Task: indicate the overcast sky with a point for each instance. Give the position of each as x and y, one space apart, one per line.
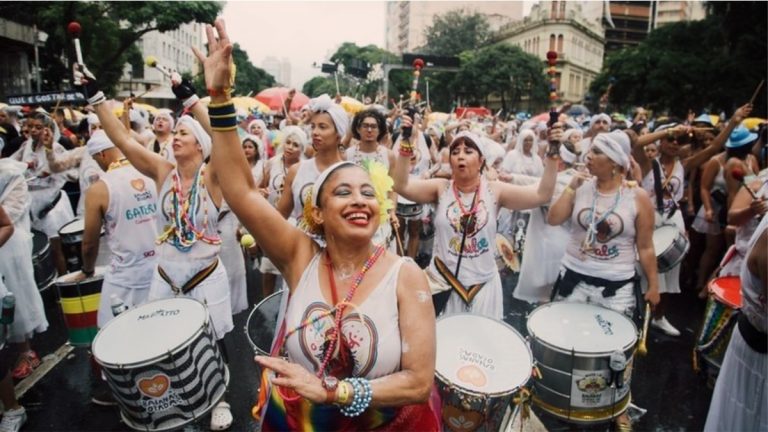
303 31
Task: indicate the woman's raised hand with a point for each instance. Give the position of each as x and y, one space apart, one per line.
217 65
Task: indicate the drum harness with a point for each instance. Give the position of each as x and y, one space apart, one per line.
194 281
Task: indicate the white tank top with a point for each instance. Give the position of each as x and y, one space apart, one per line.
353 154
673 192
130 223
478 264
276 180
166 150
613 253
754 304
371 329
302 184
744 232
178 264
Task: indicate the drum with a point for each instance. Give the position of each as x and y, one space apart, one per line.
720 318
409 210
481 364
584 353
80 304
71 236
262 323
42 261
671 245
162 363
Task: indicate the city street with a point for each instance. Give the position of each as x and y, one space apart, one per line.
663 382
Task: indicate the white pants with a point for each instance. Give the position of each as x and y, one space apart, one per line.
623 302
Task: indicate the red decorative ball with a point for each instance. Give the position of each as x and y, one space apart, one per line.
418 63
74 28
551 55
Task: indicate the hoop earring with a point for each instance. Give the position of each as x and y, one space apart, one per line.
613 172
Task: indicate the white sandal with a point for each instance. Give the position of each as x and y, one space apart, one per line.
221 417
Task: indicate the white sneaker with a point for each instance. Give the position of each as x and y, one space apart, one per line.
13 420
664 325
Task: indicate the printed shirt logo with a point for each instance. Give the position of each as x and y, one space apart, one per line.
607 230
476 242
138 184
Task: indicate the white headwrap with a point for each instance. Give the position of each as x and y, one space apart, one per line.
298 135
197 130
98 142
612 149
324 103
526 133
93 119
475 139
139 115
567 134
494 150
166 114
324 177
258 143
623 139
258 122
601 116
566 155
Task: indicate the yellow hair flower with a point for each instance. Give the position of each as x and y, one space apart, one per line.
307 222
382 184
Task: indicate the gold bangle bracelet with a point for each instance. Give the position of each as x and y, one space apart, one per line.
221 105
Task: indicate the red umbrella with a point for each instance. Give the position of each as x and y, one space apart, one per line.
275 98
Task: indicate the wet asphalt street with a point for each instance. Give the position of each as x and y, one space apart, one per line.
663 383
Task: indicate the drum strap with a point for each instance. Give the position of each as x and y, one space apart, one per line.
466 294
658 186
568 280
756 339
198 278
47 209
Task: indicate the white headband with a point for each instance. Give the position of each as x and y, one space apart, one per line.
197 130
475 139
612 149
324 103
597 117
323 178
166 114
298 135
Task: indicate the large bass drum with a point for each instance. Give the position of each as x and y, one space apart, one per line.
162 363
584 353
481 365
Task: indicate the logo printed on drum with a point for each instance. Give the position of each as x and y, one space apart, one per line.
155 386
159 313
158 389
476 358
604 324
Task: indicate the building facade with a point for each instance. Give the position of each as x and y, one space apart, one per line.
17 67
560 26
407 20
666 12
278 68
172 49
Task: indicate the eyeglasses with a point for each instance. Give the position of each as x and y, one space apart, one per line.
369 126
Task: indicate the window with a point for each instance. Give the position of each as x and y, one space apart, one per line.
553 14
562 10
552 42
560 43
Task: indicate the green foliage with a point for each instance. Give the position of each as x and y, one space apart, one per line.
504 70
711 64
455 32
110 32
249 78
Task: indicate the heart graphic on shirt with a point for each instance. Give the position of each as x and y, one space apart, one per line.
459 420
358 331
155 386
138 184
459 220
607 230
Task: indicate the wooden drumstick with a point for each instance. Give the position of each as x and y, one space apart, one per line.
757 91
399 242
642 349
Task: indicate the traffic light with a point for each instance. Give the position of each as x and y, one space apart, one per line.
329 67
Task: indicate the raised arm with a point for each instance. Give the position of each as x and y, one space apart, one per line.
416 190
716 146
744 207
288 247
516 197
285 203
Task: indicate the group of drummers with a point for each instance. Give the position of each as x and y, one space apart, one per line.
333 208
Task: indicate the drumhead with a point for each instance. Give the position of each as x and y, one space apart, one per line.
149 331
262 322
663 237
727 290
69 278
583 328
76 226
482 355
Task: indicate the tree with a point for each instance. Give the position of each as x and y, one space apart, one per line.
504 70
455 32
110 32
700 65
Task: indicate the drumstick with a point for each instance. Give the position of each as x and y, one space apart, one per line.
757 91
642 349
399 242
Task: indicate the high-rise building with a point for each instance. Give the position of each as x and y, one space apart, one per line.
667 12
560 26
407 20
278 68
172 49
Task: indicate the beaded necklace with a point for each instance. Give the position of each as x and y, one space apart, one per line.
591 236
467 219
117 164
185 231
338 308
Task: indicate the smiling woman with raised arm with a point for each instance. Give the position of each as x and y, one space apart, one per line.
360 350
465 220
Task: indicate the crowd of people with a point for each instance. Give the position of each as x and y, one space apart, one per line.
335 208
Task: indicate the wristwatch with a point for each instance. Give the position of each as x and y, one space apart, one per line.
330 384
